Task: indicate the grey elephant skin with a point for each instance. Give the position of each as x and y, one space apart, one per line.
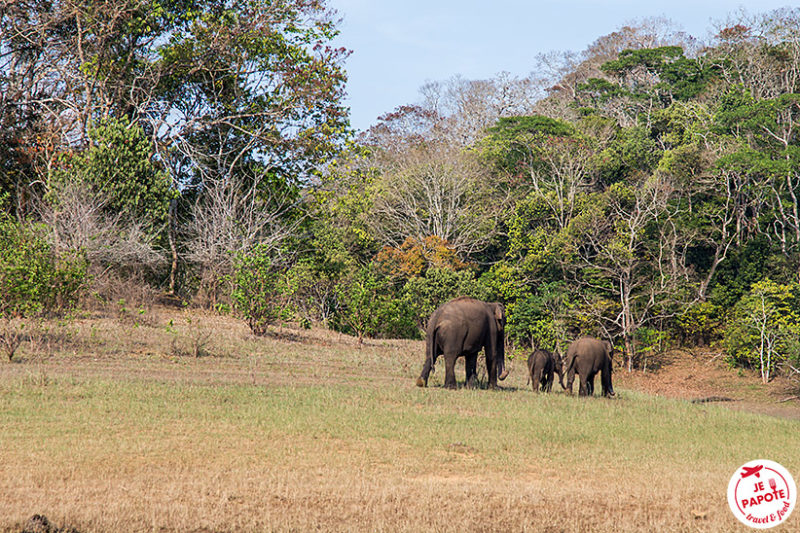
462 327
586 357
542 367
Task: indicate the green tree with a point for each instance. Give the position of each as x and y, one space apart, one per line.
242 100
118 166
425 293
765 328
255 294
367 307
537 320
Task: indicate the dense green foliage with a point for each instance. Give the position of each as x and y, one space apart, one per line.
117 168
652 197
255 292
34 279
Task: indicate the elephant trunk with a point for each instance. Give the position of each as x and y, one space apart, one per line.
500 359
559 363
570 372
605 376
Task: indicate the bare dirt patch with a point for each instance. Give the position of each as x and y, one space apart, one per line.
702 375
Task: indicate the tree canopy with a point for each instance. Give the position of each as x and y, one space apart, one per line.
646 190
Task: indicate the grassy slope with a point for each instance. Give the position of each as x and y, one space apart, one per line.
276 435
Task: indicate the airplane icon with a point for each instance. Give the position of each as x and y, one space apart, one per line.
750 470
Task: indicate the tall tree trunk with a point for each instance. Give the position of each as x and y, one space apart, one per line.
629 350
627 318
171 224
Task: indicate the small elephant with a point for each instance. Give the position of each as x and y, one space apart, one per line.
541 367
464 326
587 356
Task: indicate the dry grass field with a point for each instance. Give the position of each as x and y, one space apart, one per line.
115 425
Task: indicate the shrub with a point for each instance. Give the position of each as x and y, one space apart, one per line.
34 279
255 289
437 286
368 307
699 323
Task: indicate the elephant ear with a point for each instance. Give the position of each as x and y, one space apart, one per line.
609 349
499 315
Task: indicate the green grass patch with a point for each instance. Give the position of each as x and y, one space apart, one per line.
502 430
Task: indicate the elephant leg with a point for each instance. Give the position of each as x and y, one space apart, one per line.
537 379
422 380
570 381
450 371
491 371
590 385
605 380
471 364
584 389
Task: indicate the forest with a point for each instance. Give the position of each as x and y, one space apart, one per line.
195 153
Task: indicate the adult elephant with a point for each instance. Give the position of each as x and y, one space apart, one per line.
587 356
542 366
464 326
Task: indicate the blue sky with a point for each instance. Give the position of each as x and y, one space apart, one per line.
398 45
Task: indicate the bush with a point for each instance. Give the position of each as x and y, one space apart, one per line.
699 323
255 289
368 307
34 279
426 293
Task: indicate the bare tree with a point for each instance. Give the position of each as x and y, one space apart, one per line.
745 51
563 73
615 257
435 189
466 108
230 217
559 172
121 253
79 222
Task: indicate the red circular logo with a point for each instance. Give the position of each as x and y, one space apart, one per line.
762 494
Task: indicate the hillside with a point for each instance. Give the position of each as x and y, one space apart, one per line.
113 424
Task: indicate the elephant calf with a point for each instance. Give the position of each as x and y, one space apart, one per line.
542 366
587 356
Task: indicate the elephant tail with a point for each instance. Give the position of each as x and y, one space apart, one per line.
570 363
431 347
430 357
